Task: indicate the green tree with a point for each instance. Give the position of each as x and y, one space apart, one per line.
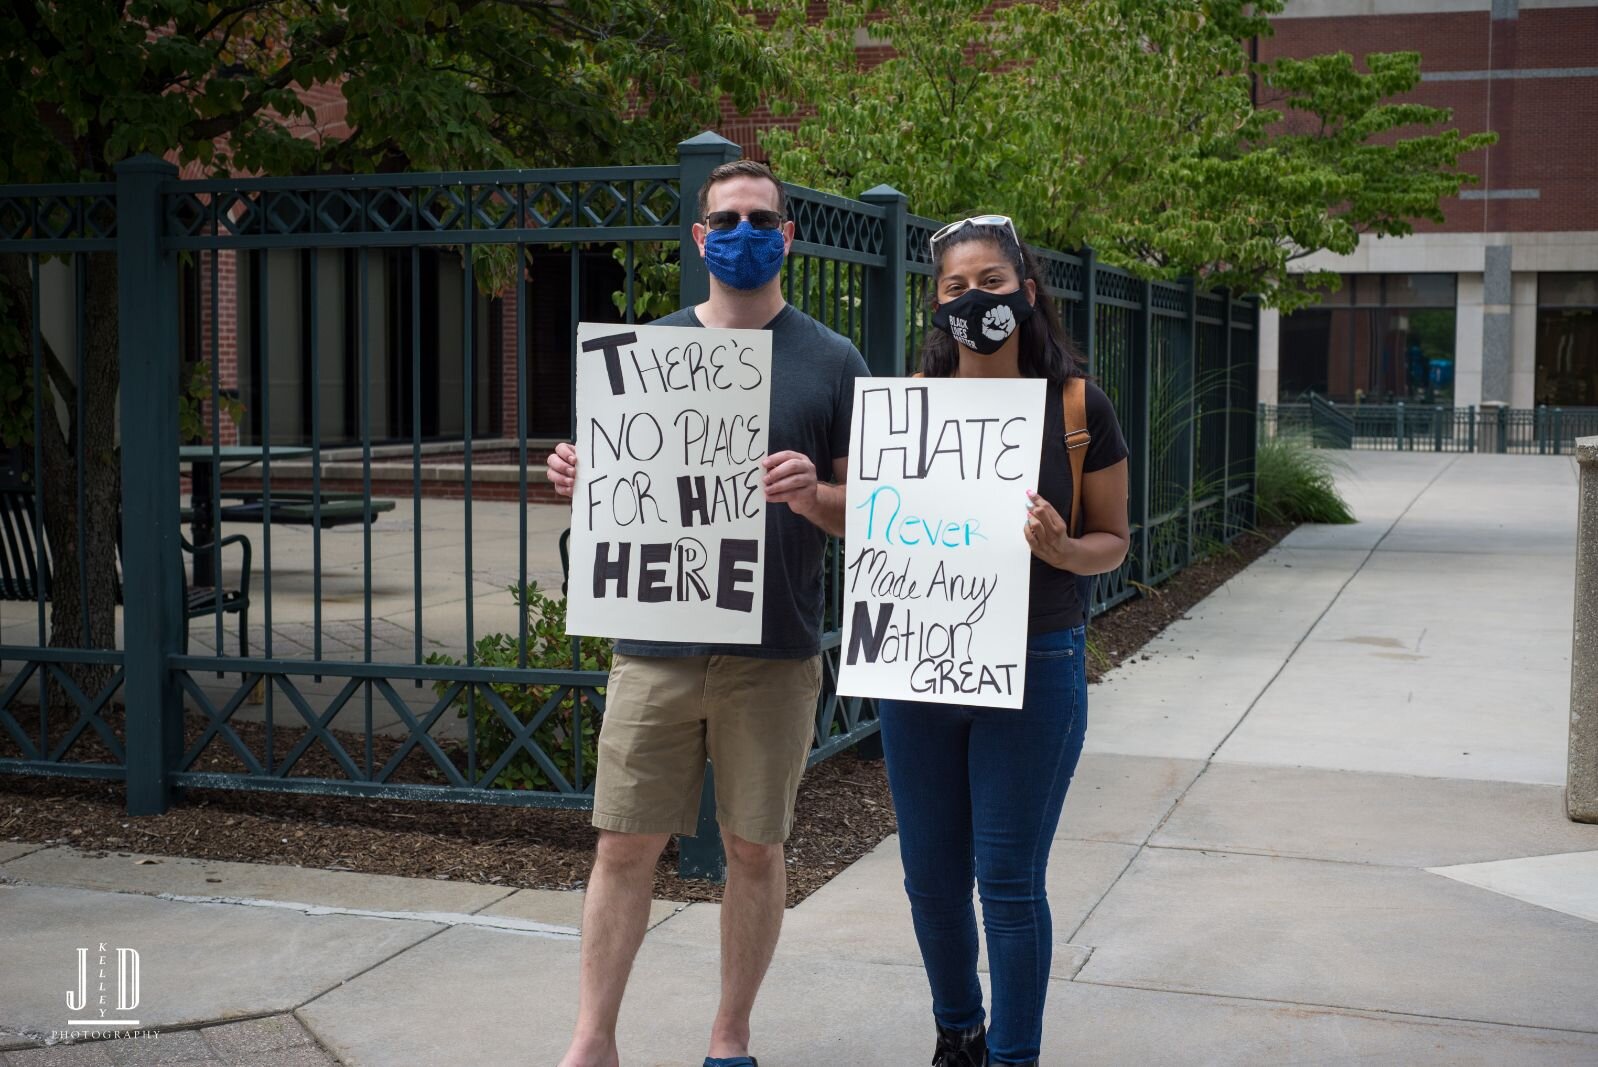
1139 127
468 84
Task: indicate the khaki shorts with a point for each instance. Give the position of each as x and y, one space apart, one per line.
754 718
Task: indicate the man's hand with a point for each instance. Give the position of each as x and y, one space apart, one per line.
1046 533
791 480
562 468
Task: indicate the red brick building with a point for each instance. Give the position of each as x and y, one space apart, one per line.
1498 303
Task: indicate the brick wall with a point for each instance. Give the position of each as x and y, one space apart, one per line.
507 364
225 341
1546 125
745 129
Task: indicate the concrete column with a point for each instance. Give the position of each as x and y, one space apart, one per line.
1497 342
1581 784
1523 341
1467 342
1270 326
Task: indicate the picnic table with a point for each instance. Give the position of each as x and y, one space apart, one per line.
290 506
300 508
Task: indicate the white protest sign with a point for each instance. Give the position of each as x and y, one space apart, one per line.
668 516
937 568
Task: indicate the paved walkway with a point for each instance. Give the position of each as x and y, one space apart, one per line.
1320 822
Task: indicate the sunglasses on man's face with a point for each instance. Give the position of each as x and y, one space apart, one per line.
728 220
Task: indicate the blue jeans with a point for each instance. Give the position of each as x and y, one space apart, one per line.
978 792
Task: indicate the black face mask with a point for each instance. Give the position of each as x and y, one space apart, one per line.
983 321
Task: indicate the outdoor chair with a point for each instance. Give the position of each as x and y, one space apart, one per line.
26 570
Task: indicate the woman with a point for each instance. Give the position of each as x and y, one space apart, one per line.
979 790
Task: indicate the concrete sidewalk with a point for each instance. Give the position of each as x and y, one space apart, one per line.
1320 822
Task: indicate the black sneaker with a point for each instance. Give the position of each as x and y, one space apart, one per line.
961 1048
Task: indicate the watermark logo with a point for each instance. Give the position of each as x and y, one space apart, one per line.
108 982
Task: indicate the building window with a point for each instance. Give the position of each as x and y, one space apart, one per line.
316 296
551 322
1567 339
1379 338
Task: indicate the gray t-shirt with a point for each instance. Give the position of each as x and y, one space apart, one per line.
813 371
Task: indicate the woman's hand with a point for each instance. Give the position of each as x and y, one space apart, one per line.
1046 533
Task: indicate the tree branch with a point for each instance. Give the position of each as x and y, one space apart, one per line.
226 40
212 128
550 15
228 12
57 374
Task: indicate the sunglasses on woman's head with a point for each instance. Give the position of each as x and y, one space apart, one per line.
728 220
975 220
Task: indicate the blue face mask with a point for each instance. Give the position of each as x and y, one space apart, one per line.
744 257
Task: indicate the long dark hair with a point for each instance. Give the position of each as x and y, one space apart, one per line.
1046 350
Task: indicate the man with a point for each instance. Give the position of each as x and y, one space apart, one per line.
750 707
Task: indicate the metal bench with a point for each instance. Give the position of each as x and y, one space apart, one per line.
26 571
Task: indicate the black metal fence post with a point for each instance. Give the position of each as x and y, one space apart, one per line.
700 856
703 856
1088 335
886 324
1142 461
696 158
885 299
1228 528
1251 386
1190 389
147 338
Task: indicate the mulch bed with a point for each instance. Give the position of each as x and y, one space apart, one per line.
844 807
844 811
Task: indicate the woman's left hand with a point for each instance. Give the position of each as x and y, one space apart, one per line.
1046 533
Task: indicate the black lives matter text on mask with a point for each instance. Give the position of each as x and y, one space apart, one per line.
665 542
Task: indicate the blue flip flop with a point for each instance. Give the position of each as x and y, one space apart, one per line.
730 1061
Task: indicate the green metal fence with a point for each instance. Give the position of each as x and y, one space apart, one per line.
1542 431
196 266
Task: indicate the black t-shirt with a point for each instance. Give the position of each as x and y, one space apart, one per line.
813 370
1056 604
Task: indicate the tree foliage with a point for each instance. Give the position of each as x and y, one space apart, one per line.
469 84
1139 127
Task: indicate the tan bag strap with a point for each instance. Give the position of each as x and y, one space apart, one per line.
1077 439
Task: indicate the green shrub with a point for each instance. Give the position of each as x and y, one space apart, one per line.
547 646
1297 483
